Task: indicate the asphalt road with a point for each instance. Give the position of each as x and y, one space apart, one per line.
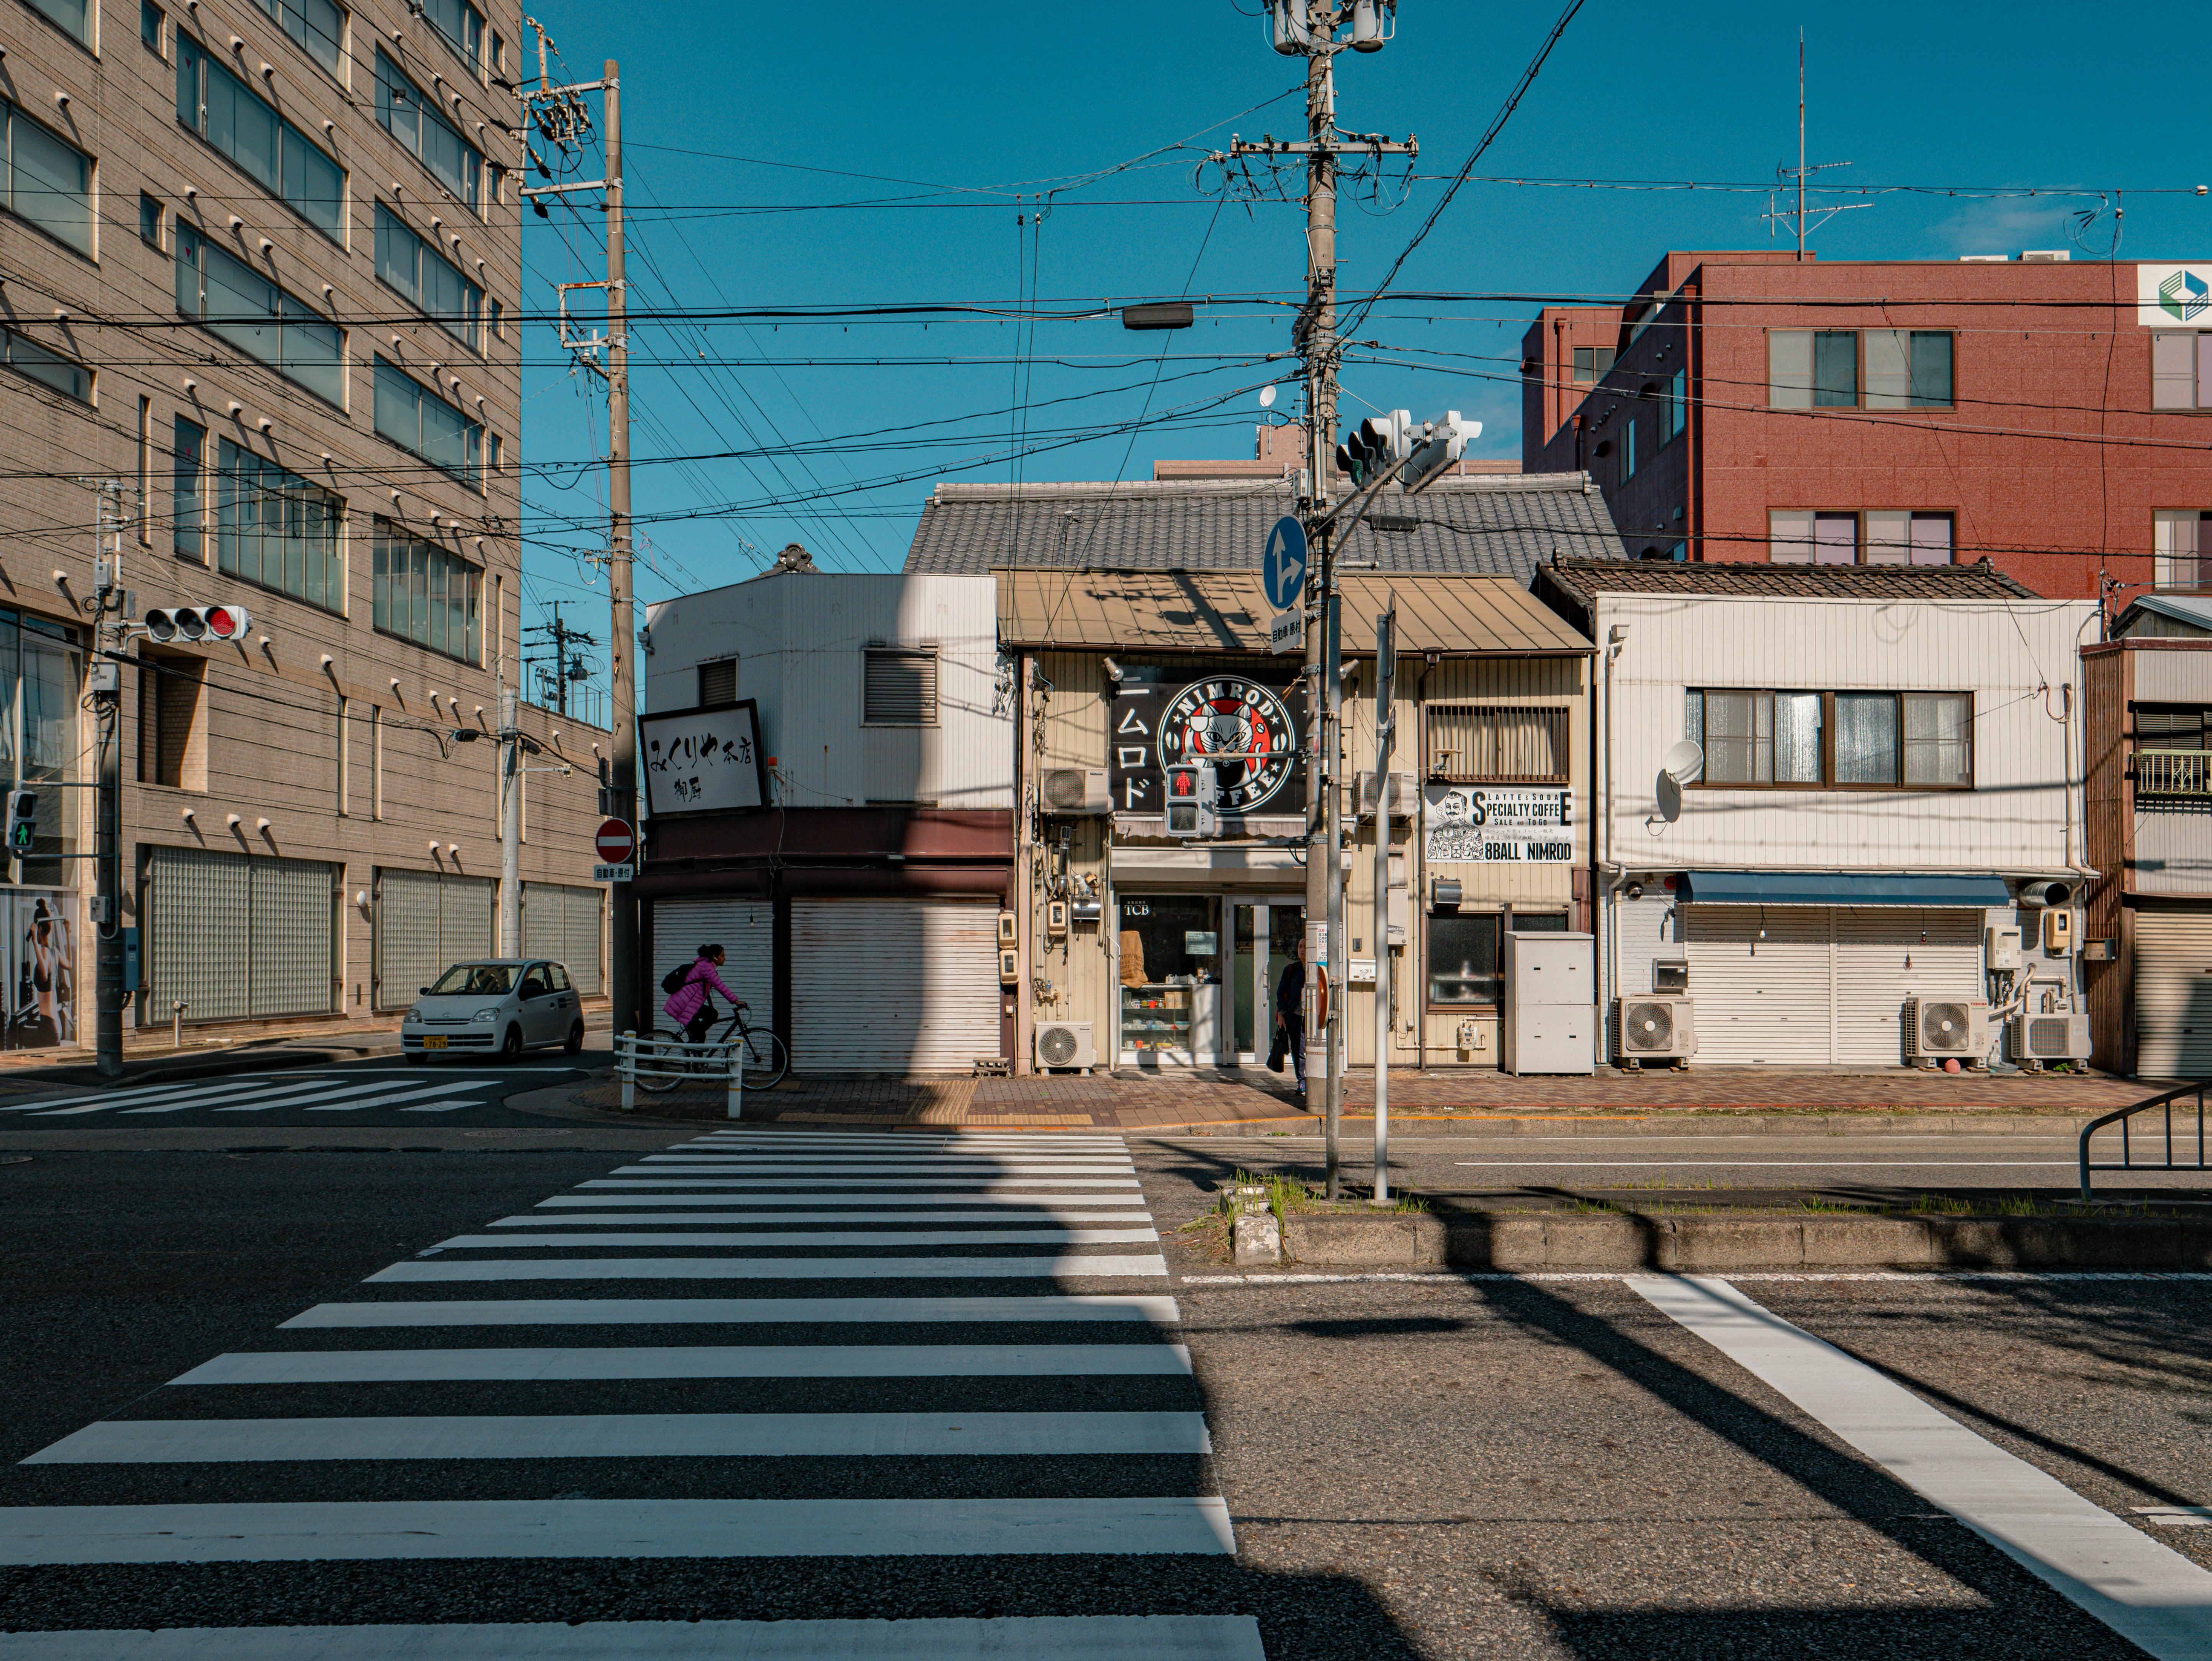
1446 1466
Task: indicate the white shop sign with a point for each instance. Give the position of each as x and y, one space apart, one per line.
1498 825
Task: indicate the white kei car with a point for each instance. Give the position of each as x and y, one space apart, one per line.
499 1006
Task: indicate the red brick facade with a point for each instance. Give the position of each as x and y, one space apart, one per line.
2048 459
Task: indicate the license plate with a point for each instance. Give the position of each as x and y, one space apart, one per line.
434 1042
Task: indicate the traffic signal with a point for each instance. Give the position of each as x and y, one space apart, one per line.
194 624
22 820
1376 443
1193 792
1437 449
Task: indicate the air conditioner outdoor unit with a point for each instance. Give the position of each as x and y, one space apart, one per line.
1947 1029
2057 1036
1654 1029
1075 792
1066 1043
1404 791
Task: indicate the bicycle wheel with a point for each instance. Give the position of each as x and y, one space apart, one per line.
765 1059
659 1075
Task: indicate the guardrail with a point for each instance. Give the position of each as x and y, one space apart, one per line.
660 1065
2127 1155
2173 772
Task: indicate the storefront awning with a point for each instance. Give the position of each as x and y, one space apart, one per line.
1838 888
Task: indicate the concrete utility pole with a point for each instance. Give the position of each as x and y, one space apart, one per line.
1310 27
107 685
622 717
1386 732
510 825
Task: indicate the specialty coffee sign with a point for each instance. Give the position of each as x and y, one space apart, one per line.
1245 721
1498 825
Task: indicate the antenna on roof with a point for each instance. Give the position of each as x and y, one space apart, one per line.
1782 175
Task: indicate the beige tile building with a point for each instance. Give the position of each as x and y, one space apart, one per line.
259 264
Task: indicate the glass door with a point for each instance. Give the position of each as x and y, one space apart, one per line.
1247 983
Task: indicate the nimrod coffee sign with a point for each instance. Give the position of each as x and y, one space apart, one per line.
1251 721
1498 825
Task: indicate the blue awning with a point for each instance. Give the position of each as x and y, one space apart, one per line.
1838 888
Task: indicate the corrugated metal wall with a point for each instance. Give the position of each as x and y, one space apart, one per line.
2173 994
1885 954
1083 964
2105 797
238 937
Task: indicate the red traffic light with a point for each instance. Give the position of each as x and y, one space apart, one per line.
226 622
197 622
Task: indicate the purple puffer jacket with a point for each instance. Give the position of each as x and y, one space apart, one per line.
687 998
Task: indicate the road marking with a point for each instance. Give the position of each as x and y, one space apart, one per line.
1044 1212
383 1095
771 1268
1080 1307
1040 1202
198 1093
893 1168
1770 1165
2177 1517
1907 1277
365 1531
888 1237
1000 1184
383 1366
287 1095
149 1093
2150 1594
440 1107
631 1436
1064 1638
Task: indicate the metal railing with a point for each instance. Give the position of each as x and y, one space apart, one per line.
2127 1152
664 1064
2173 772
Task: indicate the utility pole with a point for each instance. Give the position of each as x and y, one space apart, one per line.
510 825
622 923
1386 732
1310 27
106 687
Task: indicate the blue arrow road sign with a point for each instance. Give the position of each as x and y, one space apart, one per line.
1283 568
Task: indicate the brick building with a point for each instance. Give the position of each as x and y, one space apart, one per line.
259 260
2041 413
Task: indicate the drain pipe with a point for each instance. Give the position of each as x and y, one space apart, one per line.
1616 637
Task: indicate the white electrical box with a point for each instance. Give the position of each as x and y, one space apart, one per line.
1009 930
1009 967
2059 929
1551 1013
1360 971
1055 918
2003 948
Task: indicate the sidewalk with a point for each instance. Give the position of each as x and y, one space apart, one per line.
1230 1097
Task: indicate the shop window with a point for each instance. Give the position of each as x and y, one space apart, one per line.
900 686
1463 969
1497 744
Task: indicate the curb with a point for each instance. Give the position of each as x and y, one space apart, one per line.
1718 1244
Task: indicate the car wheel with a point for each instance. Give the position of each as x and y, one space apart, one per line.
511 1046
576 1040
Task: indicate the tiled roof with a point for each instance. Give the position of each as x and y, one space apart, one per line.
1482 525
1581 580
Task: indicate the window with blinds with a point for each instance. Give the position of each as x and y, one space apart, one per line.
899 688
1489 743
718 684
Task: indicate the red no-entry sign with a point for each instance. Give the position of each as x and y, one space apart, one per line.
616 842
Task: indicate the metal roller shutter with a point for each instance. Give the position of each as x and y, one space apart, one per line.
1885 954
467 926
1760 1002
545 920
562 921
198 909
745 929
581 951
2174 995
426 921
291 935
893 986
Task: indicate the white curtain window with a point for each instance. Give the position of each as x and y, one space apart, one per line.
1866 738
2177 537
1938 737
1789 368
1888 369
1888 537
1739 738
1932 540
2173 371
1789 536
1796 738
1835 538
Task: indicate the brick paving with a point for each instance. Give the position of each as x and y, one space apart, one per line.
1228 1097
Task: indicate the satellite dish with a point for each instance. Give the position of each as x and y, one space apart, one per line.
1684 763
1267 398
1670 798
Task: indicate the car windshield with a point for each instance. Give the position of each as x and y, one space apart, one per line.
481 980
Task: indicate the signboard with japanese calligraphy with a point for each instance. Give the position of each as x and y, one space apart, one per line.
703 760
1498 825
1250 723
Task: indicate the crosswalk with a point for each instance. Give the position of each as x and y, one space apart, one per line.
354 1090
945 1377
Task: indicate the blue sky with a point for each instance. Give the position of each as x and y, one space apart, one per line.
726 110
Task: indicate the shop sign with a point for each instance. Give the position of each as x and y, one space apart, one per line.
1498 825
703 760
2174 296
1246 720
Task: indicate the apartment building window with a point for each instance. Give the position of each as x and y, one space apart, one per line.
498 319
1497 744
461 25
237 304
149 221
412 119
1853 740
47 181
277 529
899 686
1674 407
376 761
73 16
2181 370
1628 448
42 684
426 594
1859 368
1879 536
341 748
150 19
419 422
409 264
144 511
172 721
1591 362
2181 539
27 357
317 25
188 513
272 152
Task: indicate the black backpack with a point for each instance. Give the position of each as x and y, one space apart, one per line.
672 982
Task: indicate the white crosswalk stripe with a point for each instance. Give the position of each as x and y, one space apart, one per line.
351 1091
1077 1444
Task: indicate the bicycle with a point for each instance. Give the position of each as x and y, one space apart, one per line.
766 1058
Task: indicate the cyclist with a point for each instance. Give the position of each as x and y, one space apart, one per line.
691 1006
